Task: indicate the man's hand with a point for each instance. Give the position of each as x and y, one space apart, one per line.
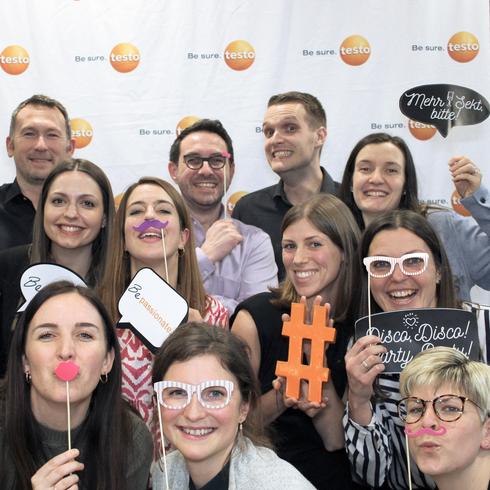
465 174
221 238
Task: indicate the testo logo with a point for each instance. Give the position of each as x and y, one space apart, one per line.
420 130
82 132
463 47
124 57
355 50
14 60
239 55
185 122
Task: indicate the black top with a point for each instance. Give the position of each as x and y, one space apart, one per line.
16 216
294 435
266 208
219 482
13 262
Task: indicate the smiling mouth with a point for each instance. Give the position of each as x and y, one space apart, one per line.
282 153
150 234
376 193
402 294
304 274
197 432
70 228
206 185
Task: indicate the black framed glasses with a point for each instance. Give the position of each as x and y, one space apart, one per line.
216 162
447 408
211 394
410 264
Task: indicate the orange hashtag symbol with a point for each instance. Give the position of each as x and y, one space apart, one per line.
294 370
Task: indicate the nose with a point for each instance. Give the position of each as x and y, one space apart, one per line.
398 275
41 143
429 419
205 169
71 210
376 176
194 411
149 213
300 256
66 348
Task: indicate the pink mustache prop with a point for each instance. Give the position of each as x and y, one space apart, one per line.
428 431
151 223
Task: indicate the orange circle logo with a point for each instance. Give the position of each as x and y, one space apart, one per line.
233 199
463 47
420 130
456 204
185 122
355 50
82 132
124 57
14 60
239 55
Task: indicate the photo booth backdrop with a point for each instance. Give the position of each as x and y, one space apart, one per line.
131 73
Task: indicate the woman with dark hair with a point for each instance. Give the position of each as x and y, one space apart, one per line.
380 176
208 404
409 269
112 448
319 239
72 228
132 249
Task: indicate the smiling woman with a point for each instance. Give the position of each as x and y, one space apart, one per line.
319 238
208 402
112 446
72 228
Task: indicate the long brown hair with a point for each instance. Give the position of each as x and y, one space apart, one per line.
118 274
330 216
41 243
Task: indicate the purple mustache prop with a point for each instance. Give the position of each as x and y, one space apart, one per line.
151 223
425 430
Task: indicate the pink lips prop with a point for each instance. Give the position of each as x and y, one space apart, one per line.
67 370
428 431
151 223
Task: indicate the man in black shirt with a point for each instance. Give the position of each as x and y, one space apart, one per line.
39 138
294 128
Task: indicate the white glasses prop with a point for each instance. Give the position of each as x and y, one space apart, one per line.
410 264
211 394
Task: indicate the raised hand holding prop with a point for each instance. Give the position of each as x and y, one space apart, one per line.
67 371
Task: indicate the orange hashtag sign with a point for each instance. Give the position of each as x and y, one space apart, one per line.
294 370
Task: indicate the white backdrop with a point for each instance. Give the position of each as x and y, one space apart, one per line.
177 52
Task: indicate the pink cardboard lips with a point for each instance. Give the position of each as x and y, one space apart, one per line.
67 370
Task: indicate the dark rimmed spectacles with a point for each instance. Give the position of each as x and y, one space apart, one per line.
410 264
216 162
447 408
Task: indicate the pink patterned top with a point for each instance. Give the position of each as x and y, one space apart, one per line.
137 362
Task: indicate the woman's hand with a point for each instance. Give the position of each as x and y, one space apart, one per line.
310 408
363 363
465 174
58 473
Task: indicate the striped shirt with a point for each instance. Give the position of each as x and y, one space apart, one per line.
377 451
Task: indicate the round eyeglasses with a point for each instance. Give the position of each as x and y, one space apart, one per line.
210 394
216 162
447 408
410 264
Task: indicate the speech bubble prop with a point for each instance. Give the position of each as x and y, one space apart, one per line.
444 106
151 308
294 370
67 370
405 333
36 276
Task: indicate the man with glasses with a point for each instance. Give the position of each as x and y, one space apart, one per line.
39 138
236 260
